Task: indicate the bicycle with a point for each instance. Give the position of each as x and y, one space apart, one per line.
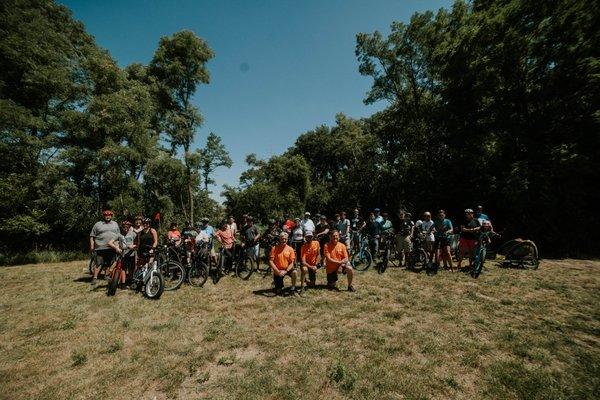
361 260
197 270
388 249
171 270
418 259
149 280
244 264
480 252
115 277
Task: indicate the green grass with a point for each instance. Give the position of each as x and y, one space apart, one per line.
512 334
42 256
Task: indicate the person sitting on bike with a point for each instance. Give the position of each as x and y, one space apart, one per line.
442 227
373 229
403 237
147 240
283 261
250 238
322 232
174 236
469 233
225 236
424 227
102 233
337 261
311 257
124 244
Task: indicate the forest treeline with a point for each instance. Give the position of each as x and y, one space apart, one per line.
492 102
79 134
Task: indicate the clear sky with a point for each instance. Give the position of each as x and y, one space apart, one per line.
281 67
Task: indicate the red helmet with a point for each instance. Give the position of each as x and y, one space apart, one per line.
107 212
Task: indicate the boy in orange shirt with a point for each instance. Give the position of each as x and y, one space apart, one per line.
336 261
282 261
311 256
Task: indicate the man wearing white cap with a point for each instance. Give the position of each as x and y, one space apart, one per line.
307 223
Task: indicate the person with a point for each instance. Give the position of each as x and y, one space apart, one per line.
307 223
147 240
403 238
356 226
336 261
282 261
225 236
232 225
321 231
480 215
469 233
343 226
188 237
378 216
102 233
124 244
442 227
210 233
173 235
288 224
425 227
250 237
137 224
297 239
311 257
270 237
373 229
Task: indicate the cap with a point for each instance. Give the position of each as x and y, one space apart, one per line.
107 212
469 211
204 219
377 210
307 214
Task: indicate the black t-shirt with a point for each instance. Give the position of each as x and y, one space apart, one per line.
321 228
356 222
249 233
404 227
474 223
373 228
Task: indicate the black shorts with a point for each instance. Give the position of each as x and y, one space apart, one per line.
441 242
332 277
278 280
105 257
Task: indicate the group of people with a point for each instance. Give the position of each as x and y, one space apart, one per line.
296 247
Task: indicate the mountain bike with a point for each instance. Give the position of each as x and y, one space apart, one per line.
197 270
115 277
148 279
480 252
418 259
171 269
361 259
390 254
262 265
243 262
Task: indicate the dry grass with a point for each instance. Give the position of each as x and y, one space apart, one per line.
511 334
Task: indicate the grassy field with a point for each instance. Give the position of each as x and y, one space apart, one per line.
512 334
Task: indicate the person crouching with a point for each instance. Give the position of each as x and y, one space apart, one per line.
282 261
336 261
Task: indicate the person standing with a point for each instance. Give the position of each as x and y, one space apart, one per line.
124 244
147 241
425 227
480 215
307 223
321 231
378 216
137 224
356 226
469 233
174 236
232 225
297 239
250 236
343 226
225 236
373 229
102 233
442 228
403 238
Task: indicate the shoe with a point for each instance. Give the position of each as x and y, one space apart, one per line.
294 292
351 289
94 282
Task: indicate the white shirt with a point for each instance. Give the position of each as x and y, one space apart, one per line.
233 227
307 225
425 226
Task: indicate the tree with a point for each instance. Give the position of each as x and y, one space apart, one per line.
211 157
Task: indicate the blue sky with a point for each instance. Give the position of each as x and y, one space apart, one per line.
281 67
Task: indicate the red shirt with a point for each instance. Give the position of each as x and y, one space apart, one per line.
226 237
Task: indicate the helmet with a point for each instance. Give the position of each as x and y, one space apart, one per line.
107 213
146 220
469 211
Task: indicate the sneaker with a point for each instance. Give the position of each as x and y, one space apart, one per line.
351 289
294 292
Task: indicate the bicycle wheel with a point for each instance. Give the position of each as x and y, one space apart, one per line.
478 263
173 274
155 286
198 274
111 289
244 267
417 260
530 262
361 260
385 262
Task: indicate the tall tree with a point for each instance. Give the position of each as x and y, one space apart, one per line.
211 157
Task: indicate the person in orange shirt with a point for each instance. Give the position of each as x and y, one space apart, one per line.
282 261
174 235
311 256
336 261
227 240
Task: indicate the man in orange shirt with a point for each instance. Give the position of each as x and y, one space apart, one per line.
282 261
311 256
336 261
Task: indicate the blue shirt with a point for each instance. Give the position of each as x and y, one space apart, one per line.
210 231
441 226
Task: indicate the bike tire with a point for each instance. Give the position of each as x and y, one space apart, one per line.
111 289
155 286
417 260
173 274
530 262
198 274
244 268
361 260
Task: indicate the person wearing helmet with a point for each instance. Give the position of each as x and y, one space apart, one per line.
147 240
469 232
102 233
206 228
